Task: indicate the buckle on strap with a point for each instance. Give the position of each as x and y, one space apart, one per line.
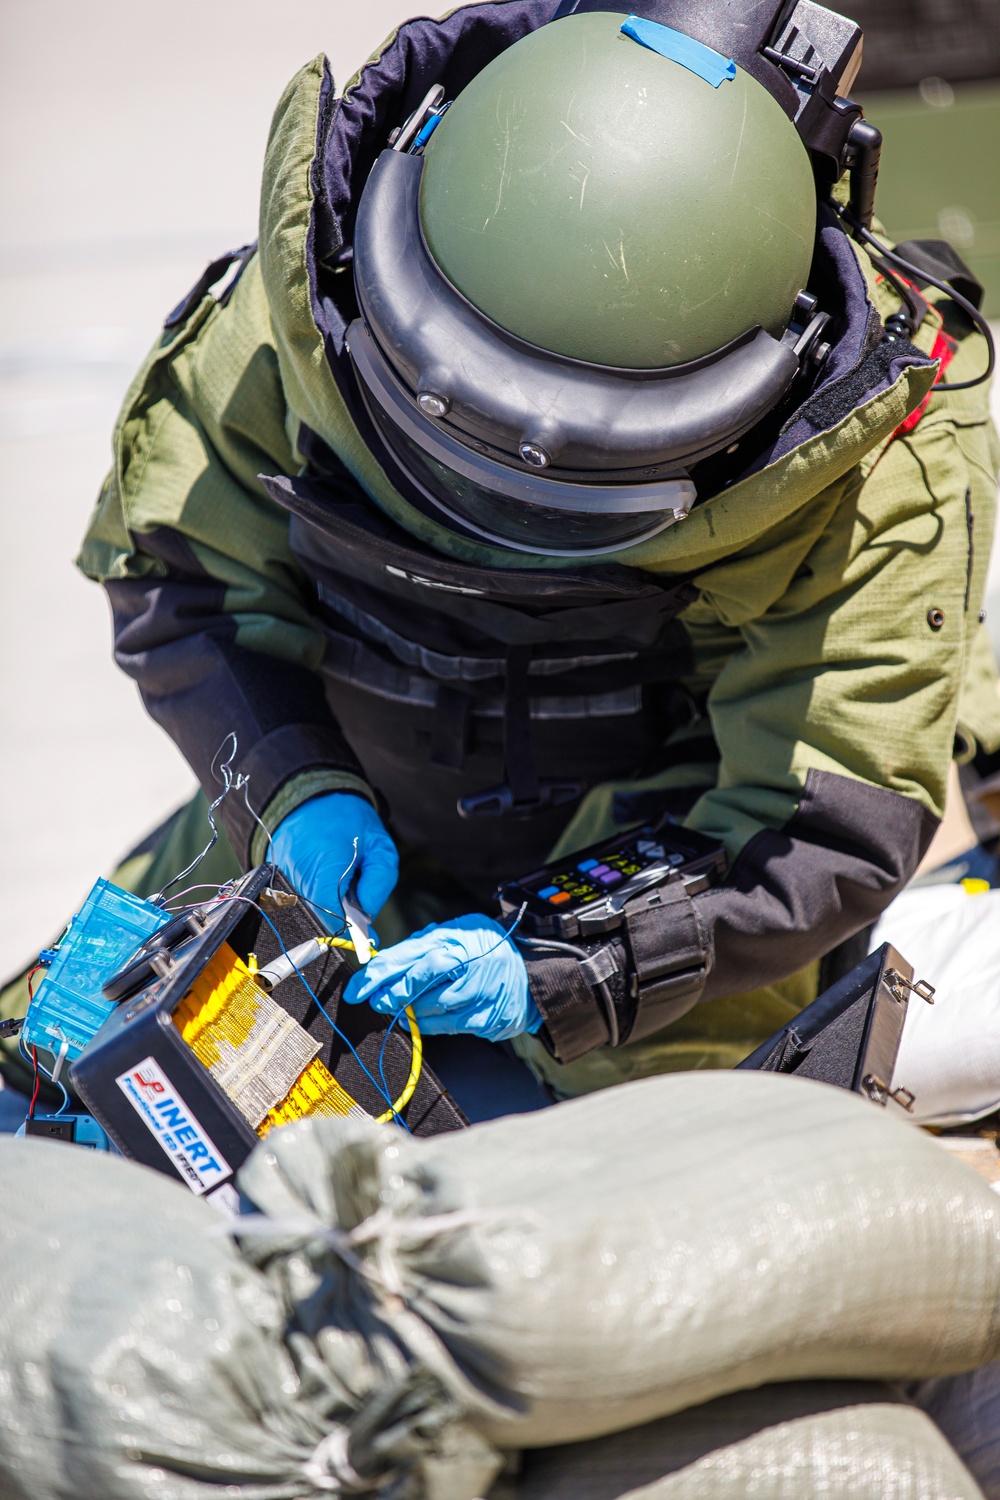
524 792
501 801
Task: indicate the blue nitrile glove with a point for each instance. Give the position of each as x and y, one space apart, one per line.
461 976
324 844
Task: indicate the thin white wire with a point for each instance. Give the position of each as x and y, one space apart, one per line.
227 786
232 781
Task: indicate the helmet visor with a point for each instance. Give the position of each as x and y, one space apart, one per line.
526 510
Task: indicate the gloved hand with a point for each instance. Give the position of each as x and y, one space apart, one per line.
461 976
325 843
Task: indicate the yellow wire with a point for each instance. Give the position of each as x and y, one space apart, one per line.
416 1056
416 1064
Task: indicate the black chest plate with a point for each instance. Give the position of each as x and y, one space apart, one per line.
477 695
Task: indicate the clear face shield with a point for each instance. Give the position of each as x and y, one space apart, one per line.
524 508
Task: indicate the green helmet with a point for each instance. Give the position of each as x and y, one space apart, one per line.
606 203
583 276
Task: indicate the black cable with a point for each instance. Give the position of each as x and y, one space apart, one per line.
916 307
528 942
603 990
919 274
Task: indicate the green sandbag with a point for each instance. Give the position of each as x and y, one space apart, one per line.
839 1440
139 1356
402 1310
648 1248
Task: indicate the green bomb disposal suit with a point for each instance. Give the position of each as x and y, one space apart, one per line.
786 668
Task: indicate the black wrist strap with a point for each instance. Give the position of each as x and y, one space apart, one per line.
669 957
574 1019
668 967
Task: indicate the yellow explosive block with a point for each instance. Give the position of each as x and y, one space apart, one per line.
253 1049
314 1092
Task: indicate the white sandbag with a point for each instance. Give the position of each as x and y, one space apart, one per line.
949 1056
837 1440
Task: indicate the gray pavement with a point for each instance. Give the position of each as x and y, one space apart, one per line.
133 140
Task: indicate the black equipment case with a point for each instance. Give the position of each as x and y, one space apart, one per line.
850 1035
162 1107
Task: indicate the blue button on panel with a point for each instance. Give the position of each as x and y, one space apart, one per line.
550 890
587 864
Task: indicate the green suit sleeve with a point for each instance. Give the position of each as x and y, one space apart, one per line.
212 612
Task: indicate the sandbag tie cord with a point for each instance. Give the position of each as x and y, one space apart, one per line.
330 1469
383 1228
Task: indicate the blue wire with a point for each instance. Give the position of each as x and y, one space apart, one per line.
315 998
463 963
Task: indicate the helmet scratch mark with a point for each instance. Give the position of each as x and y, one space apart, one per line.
739 143
575 133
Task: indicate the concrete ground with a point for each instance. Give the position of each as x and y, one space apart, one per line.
133 139
132 144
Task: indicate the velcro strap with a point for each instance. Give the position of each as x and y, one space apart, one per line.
574 1022
668 956
663 932
599 966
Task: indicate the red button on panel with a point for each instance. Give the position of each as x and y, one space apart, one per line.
557 900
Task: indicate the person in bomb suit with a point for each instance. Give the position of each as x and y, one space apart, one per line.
564 454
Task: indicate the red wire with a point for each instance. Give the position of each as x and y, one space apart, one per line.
38 1083
34 1050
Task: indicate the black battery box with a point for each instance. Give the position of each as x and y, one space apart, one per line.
849 1036
193 1114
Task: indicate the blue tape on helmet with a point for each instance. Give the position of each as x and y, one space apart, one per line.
694 56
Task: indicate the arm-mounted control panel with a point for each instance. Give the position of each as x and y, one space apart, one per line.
585 894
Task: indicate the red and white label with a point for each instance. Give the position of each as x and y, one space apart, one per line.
184 1139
